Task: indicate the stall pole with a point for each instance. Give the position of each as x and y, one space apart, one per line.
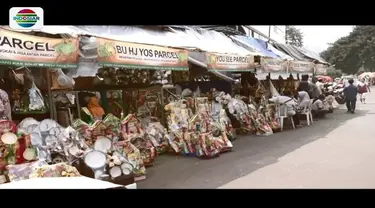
50 96
162 105
78 106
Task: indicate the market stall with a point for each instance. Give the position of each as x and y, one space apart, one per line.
32 69
161 92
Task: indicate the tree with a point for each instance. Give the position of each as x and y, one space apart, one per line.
333 72
351 52
293 36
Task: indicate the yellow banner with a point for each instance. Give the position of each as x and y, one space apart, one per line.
20 49
321 69
301 67
273 65
113 53
229 62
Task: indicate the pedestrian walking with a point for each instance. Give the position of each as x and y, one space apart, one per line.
350 93
362 90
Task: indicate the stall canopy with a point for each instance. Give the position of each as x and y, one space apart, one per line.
190 38
250 42
300 53
312 55
281 54
291 51
220 53
210 44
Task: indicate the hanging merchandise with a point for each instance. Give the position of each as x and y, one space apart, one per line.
60 80
27 98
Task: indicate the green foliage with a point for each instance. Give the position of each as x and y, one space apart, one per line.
294 36
332 72
351 52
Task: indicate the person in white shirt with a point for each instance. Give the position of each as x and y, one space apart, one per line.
303 100
287 102
319 110
320 85
293 104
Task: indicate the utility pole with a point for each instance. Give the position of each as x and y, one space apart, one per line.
269 33
286 36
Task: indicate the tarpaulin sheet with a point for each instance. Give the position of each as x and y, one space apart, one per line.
190 38
291 51
281 54
252 42
311 54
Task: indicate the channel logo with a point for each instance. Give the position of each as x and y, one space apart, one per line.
26 18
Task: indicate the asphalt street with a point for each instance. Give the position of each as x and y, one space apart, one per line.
336 152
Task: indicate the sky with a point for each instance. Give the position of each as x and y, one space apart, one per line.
316 38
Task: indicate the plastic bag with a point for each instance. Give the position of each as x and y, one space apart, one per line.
36 99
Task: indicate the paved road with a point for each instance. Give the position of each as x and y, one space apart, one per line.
336 152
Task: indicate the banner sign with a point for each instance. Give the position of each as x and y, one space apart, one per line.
321 69
229 62
113 53
301 67
19 49
273 65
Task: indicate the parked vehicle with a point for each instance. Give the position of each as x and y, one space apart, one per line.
339 95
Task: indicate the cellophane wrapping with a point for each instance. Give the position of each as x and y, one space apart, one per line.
239 109
157 134
129 151
55 170
23 171
133 132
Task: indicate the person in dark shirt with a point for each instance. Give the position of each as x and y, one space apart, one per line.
304 84
350 93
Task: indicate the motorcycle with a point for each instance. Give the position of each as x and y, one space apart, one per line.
339 95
